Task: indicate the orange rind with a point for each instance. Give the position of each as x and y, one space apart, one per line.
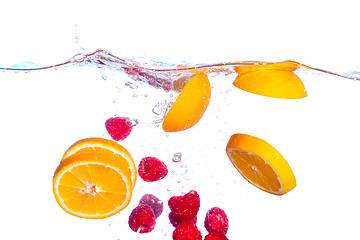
260 164
190 105
94 179
276 80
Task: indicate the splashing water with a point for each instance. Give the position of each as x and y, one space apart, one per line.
158 75
181 152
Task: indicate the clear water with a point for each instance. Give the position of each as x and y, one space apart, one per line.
67 107
156 74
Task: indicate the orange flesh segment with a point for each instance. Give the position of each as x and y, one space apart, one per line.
104 149
92 189
260 164
256 170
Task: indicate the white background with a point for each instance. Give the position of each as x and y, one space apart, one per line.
44 113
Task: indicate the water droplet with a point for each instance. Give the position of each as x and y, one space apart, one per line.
132 122
159 107
131 85
177 157
157 122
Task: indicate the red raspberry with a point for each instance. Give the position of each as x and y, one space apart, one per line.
185 207
155 203
216 221
176 221
118 128
187 231
142 219
215 236
152 169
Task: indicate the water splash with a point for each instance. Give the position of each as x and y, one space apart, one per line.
156 74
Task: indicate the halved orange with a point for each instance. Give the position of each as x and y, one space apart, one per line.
260 164
93 179
275 80
190 105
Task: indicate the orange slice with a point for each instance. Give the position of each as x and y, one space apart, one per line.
260 164
104 148
272 80
93 179
190 105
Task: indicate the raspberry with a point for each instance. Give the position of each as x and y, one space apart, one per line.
215 236
185 207
142 219
152 169
155 203
175 221
216 221
187 231
118 128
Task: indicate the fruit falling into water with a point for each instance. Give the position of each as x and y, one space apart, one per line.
151 169
94 179
142 219
190 105
271 80
216 221
155 203
260 163
118 127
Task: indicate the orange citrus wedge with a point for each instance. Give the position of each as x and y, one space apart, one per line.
260 164
272 80
95 179
190 105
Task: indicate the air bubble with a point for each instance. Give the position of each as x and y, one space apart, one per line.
131 85
160 107
177 157
132 122
157 122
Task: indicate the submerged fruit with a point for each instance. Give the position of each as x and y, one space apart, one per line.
187 231
118 127
260 163
95 179
185 207
151 169
142 219
155 203
216 221
271 80
190 105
